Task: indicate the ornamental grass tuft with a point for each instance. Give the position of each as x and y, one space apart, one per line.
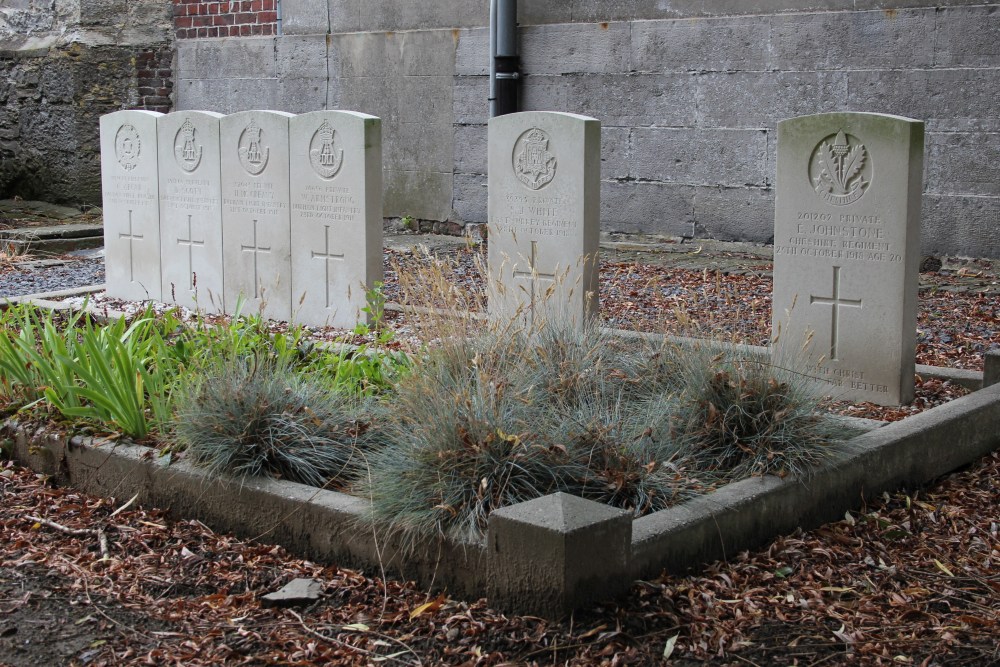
248 417
740 416
511 415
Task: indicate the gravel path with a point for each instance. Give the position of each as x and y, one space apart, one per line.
50 275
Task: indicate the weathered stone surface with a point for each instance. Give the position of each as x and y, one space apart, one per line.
191 210
294 593
559 552
129 175
336 215
683 46
544 217
699 157
255 218
847 251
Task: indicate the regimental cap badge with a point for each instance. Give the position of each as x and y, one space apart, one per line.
840 169
253 156
128 146
533 164
186 149
325 156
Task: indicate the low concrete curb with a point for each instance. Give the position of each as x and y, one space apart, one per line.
553 554
318 524
749 513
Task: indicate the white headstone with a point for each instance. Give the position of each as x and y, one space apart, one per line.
255 224
544 216
129 183
846 251
336 215
191 210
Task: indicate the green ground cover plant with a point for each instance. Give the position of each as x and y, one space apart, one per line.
482 416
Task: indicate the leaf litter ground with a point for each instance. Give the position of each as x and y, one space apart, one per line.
912 579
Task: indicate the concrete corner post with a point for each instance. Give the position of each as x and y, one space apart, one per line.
552 555
991 368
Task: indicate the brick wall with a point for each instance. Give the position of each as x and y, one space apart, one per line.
209 18
154 79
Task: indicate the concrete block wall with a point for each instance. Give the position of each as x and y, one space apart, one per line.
689 97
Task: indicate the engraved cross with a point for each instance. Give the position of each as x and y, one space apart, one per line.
190 243
256 249
327 257
534 275
132 237
837 303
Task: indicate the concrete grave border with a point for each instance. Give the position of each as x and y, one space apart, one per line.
554 554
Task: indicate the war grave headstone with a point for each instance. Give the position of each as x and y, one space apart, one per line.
846 251
191 210
255 223
544 216
336 215
130 188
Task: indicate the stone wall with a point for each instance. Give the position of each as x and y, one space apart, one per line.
689 93
63 64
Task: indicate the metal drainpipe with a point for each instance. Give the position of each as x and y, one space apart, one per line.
277 9
493 58
505 78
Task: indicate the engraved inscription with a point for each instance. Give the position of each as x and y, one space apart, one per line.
845 236
327 257
252 151
837 302
325 154
840 169
327 202
536 215
191 243
533 164
257 250
534 275
253 197
187 150
128 146
132 237
850 378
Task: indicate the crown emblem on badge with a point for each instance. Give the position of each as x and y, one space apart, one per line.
324 155
534 165
252 156
186 150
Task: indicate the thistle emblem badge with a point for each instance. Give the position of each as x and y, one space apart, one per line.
252 156
840 169
325 155
128 146
186 149
534 165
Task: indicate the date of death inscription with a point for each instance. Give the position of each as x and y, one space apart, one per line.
537 216
860 238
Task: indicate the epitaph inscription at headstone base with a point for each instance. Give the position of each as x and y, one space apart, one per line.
255 221
130 188
191 210
846 251
336 215
544 217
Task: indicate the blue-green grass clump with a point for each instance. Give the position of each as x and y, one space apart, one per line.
246 418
